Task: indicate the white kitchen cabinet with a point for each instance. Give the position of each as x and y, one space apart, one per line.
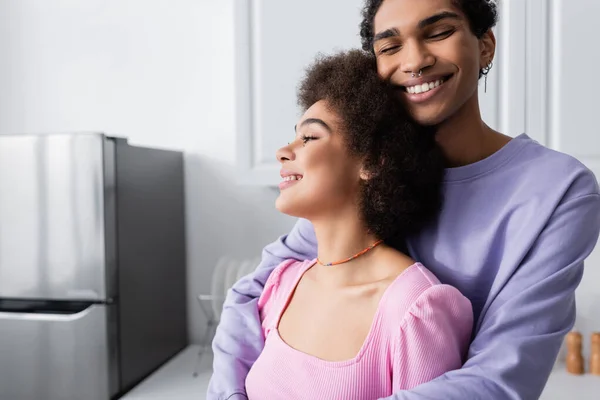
276 40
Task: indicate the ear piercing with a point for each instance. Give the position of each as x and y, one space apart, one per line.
484 71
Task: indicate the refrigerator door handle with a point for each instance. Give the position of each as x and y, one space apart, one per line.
24 316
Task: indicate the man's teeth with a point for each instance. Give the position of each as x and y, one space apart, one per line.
426 87
292 178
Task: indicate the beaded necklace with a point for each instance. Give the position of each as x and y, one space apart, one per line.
360 253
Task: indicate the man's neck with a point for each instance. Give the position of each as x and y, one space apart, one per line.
465 139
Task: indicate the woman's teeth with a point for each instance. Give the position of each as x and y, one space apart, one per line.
426 87
292 178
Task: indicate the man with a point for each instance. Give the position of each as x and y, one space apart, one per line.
517 223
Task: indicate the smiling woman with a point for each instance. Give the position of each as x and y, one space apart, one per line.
367 176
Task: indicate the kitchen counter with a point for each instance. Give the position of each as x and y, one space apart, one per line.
564 386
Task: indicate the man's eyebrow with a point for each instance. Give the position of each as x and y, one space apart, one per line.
309 121
388 33
392 32
437 17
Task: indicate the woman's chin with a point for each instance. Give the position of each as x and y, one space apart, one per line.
288 207
281 205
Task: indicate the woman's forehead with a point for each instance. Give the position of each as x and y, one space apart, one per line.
322 110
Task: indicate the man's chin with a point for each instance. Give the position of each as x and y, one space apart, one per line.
428 118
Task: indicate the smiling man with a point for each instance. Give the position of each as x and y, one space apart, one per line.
517 223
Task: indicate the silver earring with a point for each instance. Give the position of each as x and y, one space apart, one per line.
485 71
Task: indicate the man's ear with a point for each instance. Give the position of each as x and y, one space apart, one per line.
487 48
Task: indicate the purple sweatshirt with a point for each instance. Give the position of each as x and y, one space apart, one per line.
512 236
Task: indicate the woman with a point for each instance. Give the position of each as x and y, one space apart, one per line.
362 320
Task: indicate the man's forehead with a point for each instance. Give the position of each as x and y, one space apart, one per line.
409 14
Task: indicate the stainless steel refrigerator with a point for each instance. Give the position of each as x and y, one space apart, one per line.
92 265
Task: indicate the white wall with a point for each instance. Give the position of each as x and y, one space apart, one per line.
158 72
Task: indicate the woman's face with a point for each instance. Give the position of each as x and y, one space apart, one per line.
319 175
433 36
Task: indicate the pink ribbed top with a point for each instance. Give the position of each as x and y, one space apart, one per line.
420 330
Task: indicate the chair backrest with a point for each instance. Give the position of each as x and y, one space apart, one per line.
226 273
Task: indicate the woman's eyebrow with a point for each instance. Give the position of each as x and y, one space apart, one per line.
309 121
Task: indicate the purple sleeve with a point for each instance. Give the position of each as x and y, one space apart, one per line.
239 339
517 341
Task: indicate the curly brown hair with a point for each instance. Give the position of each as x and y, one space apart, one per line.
401 157
481 14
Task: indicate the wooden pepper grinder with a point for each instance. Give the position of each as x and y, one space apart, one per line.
595 354
574 356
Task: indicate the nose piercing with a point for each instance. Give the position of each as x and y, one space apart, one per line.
419 74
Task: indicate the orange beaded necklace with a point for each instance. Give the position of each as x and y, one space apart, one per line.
360 253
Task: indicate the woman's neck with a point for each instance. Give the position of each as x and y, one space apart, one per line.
340 237
465 139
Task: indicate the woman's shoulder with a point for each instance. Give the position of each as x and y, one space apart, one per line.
282 280
406 272
288 271
416 290
414 281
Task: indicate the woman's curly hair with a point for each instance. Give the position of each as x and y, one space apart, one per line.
482 16
404 163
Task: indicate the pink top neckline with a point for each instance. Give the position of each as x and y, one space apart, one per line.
368 339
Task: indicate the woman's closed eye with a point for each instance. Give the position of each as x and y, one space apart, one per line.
305 139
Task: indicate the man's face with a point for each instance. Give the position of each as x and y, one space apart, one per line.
432 36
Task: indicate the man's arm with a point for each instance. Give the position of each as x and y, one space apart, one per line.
520 335
239 340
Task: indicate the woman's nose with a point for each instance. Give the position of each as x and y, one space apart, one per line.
286 153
